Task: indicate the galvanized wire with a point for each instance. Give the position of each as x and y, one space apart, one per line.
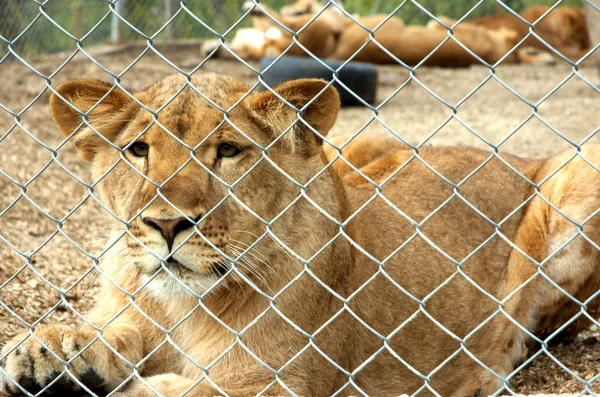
142 24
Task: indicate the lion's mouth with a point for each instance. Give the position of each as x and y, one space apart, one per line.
180 269
219 268
174 264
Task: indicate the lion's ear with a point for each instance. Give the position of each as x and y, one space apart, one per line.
320 107
109 109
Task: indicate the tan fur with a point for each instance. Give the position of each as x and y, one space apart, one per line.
563 28
494 43
359 151
317 37
346 301
248 43
413 44
333 14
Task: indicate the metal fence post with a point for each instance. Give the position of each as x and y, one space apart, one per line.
170 7
116 34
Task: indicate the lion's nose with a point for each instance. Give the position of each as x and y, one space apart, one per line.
169 228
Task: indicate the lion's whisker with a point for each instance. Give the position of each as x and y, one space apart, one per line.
250 266
253 252
276 243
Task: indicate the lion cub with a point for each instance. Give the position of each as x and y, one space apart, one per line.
249 267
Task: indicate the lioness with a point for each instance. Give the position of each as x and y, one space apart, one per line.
315 36
430 45
564 28
248 266
492 44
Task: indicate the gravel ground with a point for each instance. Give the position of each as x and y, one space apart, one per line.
60 255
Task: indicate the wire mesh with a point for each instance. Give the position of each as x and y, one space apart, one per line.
41 27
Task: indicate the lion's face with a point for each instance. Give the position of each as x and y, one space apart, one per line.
195 189
564 26
576 25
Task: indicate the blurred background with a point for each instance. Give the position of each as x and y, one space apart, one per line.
34 33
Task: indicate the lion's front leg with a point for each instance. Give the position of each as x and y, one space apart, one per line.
29 365
172 385
167 385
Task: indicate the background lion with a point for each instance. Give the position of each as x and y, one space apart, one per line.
336 36
563 28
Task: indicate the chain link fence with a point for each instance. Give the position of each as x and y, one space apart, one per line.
286 338
35 33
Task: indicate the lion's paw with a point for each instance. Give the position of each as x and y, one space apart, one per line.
29 365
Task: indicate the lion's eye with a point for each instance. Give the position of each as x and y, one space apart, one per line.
228 150
139 149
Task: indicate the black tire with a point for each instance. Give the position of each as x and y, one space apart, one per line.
360 77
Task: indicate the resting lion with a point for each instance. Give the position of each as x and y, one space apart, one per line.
316 36
270 36
273 276
564 28
342 38
429 44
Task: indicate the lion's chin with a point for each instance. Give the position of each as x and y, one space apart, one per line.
165 286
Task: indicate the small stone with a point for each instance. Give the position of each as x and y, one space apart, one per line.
32 283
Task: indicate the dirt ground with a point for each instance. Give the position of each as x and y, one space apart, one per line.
51 219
